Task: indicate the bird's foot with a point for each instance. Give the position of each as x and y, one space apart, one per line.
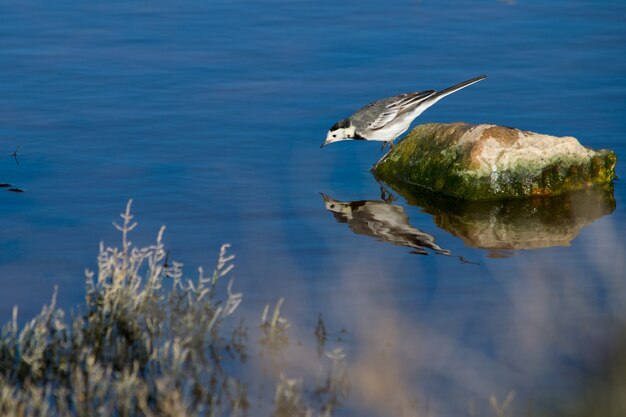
385 195
389 142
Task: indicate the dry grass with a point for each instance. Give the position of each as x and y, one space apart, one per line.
147 343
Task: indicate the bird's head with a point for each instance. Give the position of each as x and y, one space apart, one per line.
342 130
340 209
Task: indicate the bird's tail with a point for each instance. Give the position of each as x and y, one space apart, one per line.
441 94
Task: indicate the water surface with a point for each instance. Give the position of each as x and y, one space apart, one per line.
210 116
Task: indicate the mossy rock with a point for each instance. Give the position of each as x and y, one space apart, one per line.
510 225
488 162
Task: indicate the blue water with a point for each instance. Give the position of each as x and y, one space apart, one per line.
210 116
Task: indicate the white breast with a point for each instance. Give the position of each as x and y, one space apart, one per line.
390 132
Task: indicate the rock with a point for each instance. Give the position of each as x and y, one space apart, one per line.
502 226
488 162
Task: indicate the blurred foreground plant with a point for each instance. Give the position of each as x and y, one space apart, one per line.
138 349
150 343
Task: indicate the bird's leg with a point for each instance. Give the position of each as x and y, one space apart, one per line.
385 195
389 142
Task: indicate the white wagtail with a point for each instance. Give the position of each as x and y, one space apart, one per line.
384 120
384 221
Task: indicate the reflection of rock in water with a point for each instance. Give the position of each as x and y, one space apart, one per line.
383 221
517 224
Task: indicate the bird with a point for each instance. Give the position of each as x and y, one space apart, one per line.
386 119
383 221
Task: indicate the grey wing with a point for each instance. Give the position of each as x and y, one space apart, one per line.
398 105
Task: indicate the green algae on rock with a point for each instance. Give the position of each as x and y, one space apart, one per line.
488 162
503 226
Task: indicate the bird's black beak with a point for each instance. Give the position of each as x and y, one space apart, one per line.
323 144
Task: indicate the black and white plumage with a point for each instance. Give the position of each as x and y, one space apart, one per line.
387 119
384 221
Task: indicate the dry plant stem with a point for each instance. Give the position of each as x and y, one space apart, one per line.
138 349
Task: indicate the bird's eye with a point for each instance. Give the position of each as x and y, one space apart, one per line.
334 136
332 206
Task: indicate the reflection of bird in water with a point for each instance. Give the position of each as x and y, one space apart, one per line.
383 221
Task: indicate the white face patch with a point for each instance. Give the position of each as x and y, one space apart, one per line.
338 207
339 135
